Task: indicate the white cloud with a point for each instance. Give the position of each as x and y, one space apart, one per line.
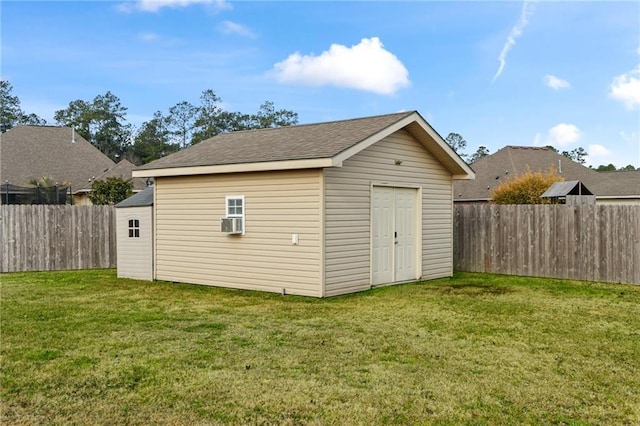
599 154
560 135
556 83
364 66
563 134
516 31
156 5
626 88
233 28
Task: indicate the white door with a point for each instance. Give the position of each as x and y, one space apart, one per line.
394 223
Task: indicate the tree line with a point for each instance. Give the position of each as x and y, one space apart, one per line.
103 122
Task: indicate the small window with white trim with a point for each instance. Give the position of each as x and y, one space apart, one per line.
235 208
134 228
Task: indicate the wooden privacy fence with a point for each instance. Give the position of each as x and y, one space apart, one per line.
48 237
584 242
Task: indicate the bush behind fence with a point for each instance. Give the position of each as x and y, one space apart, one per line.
48 237
585 242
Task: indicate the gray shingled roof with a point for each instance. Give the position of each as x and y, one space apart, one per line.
621 183
510 161
302 142
123 170
141 199
31 152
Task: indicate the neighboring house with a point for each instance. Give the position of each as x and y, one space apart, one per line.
31 152
122 169
317 210
622 187
511 161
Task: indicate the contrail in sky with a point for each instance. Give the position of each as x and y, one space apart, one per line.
516 31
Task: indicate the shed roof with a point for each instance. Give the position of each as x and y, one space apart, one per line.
141 199
31 152
301 146
562 189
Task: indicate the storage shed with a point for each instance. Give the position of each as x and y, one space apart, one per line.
134 239
316 210
572 192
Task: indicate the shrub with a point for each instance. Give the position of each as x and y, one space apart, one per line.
526 188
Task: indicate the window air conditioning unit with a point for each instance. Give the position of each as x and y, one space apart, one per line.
231 225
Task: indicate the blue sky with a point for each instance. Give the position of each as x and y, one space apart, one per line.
498 73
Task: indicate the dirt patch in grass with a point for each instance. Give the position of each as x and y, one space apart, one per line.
88 348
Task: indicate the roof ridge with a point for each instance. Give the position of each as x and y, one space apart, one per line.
543 148
320 123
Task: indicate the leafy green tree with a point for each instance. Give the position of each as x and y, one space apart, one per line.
153 140
628 167
482 151
608 168
110 191
525 189
11 114
101 121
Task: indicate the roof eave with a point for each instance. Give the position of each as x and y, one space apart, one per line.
236 168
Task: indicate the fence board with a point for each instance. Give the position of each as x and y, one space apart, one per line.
582 242
49 237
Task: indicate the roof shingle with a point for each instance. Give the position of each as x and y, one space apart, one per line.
301 142
31 152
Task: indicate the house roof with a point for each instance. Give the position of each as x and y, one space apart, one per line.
122 169
620 183
511 161
141 199
31 152
562 189
301 146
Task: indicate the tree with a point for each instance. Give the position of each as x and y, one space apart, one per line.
551 148
457 142
608 168
212 119
628 167
11 114
578 155
110 191
525 189
101 121
268 116
482 151
207 123
181 120
152 141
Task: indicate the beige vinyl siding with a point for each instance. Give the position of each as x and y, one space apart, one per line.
191 248
135 255
347 210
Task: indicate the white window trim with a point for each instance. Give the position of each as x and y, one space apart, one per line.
244 210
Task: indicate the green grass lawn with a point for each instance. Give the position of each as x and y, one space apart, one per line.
87 348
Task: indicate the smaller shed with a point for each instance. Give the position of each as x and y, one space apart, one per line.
571 192
134 228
